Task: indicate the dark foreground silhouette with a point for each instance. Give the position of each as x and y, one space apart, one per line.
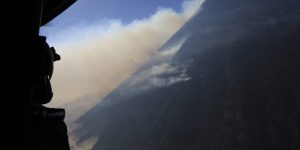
47 134
28 67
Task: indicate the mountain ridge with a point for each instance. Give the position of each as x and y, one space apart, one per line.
242 92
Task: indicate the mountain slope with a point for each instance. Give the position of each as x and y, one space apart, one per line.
233 84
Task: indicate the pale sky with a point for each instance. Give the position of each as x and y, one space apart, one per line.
90 11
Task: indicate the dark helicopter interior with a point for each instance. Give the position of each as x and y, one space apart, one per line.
228 78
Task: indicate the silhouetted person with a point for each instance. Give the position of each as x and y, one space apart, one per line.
28 67
41 90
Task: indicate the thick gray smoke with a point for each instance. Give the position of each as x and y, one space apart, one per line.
97 58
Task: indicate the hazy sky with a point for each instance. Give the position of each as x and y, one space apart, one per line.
90 11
